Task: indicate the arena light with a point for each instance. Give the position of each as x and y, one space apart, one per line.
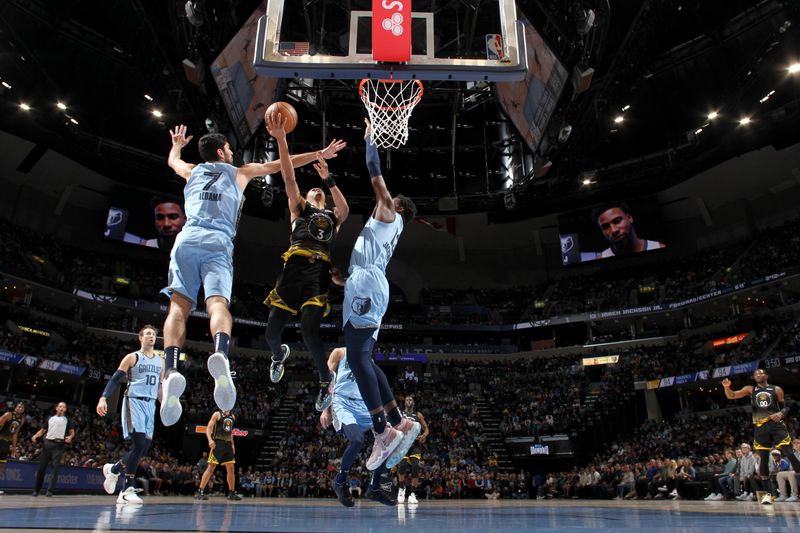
61 105
767 96
148 97
24 106
618 119
586 182
744 121
625 108
157 113
73 121
6 85
713 115
794 68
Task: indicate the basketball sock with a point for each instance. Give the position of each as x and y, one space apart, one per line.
171 354
395 417
222 343
118 468
379 422
341 477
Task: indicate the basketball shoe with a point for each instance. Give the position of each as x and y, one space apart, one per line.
385 444
224 389
410 431
171 391
276 366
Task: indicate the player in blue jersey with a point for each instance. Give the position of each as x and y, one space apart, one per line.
203 254
350 417
144 371
366 297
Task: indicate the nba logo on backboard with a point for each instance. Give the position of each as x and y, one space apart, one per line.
494 47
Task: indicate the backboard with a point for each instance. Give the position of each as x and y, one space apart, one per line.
458 41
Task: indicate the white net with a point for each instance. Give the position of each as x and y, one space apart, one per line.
389 104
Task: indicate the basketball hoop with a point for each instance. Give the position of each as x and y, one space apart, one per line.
389 104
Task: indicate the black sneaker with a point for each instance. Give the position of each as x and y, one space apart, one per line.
325 395
381 496
201 495
35 493
48 493
345 498
234 497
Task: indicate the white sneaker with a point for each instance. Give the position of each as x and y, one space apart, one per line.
780 499
110 484
171 390
718 498
766 499
710 497
410 431
745 496
752 497
224 389
792 499
674 493
401 495
129 496
412 500
384 445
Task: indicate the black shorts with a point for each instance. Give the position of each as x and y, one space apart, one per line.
771 435
5 450
222 453
303 281
409 465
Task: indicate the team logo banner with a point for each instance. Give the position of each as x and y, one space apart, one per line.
391 30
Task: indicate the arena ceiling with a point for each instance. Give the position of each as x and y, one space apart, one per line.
661 65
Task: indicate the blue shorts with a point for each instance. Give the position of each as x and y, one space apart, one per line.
138 416
350 411
202 257
366 297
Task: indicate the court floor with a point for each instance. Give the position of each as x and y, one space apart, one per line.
97 513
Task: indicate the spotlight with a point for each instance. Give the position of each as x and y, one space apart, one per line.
626 107
148 97
6 85
713 115
73 121
794 68
157 113
618 119
586 182
24 106
744 121
62 106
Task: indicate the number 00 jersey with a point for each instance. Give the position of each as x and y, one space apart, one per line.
765 404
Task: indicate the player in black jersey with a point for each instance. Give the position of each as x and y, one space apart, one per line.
10 424
769 412
219 432
411 463
303 285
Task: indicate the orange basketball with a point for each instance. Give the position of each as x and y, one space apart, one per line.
287 111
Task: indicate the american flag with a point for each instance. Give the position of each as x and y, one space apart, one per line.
291 48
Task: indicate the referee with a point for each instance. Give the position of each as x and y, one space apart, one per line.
59 433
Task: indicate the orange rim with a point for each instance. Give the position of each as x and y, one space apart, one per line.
391 108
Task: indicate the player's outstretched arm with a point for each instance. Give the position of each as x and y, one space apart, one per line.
735 394
254 170
384 206
179 140
340 207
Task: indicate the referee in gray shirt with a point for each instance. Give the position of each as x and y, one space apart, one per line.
58 434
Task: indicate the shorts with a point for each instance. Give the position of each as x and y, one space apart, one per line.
409 465
303 281
349 411
197 260
222 454
5 450
138 416
366 298
771 435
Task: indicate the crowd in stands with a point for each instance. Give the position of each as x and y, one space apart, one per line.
42 258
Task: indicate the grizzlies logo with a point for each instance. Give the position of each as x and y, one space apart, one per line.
361 306
320 227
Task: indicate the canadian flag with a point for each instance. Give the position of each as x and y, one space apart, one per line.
391 30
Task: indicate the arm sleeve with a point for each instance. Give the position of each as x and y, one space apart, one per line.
113 383
373 158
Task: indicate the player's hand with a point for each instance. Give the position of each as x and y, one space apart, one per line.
321 166
275 125
330 151
102 407
33 439
422 439
325 419
726 383
368 129
179 137
337 277
212 444
776 417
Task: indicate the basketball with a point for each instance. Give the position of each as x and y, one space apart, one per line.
285 109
